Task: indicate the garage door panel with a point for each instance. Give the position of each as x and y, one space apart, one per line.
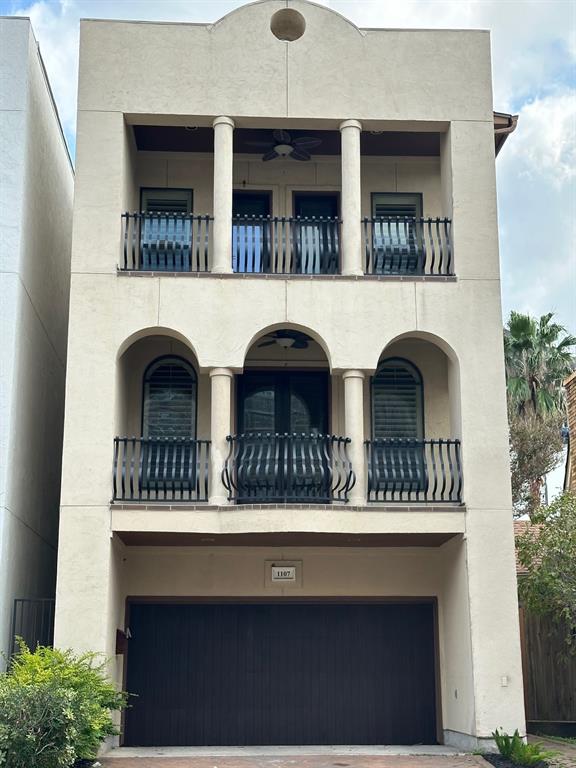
245 674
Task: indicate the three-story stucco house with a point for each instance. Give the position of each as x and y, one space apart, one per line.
286 506
36 190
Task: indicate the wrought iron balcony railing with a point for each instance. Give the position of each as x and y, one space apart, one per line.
166 242
160 469
405 470
298 246
288 468
408 246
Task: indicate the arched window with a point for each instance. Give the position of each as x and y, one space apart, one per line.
397 400
169 404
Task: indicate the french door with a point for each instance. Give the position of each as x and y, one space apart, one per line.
316 246
284 420
250 231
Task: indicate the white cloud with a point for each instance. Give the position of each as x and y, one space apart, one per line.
544 146
537 202
534 60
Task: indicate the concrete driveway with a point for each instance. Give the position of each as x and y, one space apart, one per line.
349 759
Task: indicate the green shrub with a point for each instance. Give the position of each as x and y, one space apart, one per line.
516 750
36 725
92 697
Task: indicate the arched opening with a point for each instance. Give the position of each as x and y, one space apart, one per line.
285 386
162 417
284 450
414 450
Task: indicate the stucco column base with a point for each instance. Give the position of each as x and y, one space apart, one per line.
220 425
468 743
354 429
351 198
223 164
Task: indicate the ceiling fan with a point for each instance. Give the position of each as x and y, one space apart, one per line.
286 339
283 145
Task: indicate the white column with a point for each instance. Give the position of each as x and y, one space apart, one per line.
223 163
354 429
220 425
351 198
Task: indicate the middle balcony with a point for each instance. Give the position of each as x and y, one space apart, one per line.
285 429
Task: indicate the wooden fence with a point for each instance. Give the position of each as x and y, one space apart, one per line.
549 677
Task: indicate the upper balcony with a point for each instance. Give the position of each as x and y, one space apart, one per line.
291 202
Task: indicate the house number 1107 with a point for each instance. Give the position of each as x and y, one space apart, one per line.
283 573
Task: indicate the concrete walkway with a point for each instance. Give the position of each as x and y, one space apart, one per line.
335 757
566 757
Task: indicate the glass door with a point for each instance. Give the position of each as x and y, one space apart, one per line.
316 238
250 231
282 421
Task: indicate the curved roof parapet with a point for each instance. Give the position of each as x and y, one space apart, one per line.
286 4
504 125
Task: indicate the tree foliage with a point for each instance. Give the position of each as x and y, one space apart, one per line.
538 355
547 549
56 707
535 450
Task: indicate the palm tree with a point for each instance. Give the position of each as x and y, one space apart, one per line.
538 355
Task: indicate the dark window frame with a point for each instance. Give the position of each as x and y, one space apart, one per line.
418 195
414 369
143 190
187 364
316 193
256 192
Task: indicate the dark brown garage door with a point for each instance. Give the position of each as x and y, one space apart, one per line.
291 673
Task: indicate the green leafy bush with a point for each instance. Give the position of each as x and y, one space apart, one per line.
516 750
79 700
36 725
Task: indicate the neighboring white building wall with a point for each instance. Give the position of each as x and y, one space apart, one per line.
36 188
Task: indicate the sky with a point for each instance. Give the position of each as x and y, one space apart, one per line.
534 76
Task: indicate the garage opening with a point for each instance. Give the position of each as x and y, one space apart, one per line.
247 674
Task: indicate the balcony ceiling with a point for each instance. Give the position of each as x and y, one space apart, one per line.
163 138
276 539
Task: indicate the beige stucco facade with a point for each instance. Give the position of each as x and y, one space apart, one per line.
36 190
334 78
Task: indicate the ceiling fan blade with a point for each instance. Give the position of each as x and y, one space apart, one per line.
282 137
306 142
270 155
261 144
299 154
300 344
267 343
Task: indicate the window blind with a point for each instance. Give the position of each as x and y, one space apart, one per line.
167 200
396 401
170 401
385 204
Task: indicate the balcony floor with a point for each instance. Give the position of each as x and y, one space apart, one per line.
333 525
